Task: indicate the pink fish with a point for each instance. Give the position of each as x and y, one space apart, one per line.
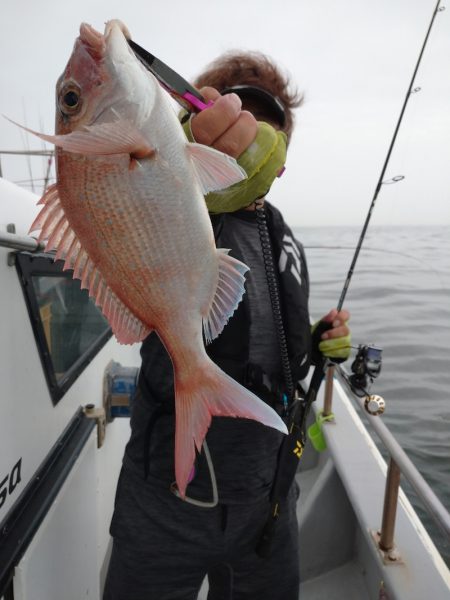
127 214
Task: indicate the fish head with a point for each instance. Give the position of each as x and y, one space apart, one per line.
103 81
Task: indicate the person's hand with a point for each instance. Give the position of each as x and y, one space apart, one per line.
259 149
224 126
335 342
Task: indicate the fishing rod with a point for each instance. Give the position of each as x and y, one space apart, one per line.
293 444
386 162
323 363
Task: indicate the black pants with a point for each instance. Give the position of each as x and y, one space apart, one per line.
164 547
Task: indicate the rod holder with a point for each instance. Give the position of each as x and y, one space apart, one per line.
328 400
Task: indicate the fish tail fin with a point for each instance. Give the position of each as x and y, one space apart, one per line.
202 395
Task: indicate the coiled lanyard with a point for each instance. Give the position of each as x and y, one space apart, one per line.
274 293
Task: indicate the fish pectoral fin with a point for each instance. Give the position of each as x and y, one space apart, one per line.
118 137
229 292
214 170
59 235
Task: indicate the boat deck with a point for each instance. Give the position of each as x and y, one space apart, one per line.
329 545
340 507
330 586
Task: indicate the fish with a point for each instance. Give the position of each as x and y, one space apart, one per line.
127 215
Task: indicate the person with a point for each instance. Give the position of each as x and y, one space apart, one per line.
163 547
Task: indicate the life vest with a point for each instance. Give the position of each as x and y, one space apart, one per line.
231 349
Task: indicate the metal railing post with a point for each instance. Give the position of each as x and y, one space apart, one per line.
386 542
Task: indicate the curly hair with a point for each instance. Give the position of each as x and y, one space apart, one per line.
252 68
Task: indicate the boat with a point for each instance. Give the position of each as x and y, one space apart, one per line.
67 386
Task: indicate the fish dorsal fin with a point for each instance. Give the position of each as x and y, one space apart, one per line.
229 292
59 236
214 170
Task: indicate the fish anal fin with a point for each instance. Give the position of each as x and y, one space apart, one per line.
214 170
229 292
127 328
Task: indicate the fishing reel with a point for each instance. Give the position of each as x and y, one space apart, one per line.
365 368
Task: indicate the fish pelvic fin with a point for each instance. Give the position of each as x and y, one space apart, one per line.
229 292
59 235
214 170
118 137
198 399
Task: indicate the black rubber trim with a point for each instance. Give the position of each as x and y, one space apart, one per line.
29 264
24 518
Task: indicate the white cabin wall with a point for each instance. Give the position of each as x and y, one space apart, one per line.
76 529
108 464
61 561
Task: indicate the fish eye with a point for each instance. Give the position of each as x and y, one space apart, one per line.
70 99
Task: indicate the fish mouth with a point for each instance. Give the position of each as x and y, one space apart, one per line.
97 43
116 39
93 40
116 24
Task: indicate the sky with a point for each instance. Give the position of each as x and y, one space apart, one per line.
352 59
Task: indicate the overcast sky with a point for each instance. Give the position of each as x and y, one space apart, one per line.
353 60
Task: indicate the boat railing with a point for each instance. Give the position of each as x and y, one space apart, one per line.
44 181
10 239
399 464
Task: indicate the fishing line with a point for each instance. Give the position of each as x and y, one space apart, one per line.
380 182
420 261
27 146
215 493
29 181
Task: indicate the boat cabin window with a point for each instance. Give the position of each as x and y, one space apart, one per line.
69 328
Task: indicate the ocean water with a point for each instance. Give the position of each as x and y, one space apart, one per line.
399 299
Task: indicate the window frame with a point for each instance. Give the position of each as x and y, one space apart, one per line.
29 265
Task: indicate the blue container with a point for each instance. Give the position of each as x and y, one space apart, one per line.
120 388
